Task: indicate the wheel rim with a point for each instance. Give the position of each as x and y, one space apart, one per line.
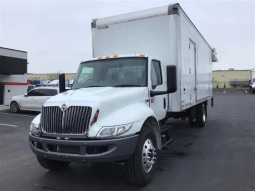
148 155
14 107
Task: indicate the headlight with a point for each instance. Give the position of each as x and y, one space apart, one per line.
113 131
34 127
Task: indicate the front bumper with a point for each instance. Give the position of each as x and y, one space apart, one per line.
77 150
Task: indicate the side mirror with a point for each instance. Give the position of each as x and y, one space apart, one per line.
171 82
62 83
171 79
25 95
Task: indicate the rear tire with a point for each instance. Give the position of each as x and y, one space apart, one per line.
201 115
192 116
141 168
52 164
14 107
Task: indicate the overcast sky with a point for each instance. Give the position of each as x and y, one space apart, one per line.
57 34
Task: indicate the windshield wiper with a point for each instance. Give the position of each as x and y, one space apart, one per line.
128 85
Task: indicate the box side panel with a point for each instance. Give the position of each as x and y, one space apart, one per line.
175 55
199 86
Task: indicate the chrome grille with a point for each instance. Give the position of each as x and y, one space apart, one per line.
73 121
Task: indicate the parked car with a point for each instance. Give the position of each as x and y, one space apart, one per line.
30 87
33 100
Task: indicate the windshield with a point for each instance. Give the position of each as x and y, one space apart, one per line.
117 72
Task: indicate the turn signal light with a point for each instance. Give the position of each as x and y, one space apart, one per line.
94 120
100 57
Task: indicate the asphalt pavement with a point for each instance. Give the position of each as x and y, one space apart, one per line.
218 157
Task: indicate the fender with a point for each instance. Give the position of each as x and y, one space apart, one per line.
135 113
125 114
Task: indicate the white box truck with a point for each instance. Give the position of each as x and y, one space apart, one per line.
148 66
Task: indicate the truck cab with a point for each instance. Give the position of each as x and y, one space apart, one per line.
113 99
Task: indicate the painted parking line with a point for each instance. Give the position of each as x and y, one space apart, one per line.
224 92
8 125
17 114
245 91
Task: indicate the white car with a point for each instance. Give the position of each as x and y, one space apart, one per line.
33 100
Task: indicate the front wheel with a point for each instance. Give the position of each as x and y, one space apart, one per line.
14 107
52 164
142 166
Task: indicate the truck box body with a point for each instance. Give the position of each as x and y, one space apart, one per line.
168 36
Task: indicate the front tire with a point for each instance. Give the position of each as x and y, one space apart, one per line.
14 107
141 168
52 164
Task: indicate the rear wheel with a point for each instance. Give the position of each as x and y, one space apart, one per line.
52 164
142 166
192 116
14 107
201 115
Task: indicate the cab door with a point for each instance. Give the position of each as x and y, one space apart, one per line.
158 103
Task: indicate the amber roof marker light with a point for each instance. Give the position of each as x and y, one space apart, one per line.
100 57
142 55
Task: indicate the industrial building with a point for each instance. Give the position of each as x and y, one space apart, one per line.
50 76
13 74
228 79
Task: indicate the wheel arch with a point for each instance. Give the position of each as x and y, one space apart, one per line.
152 123
16 102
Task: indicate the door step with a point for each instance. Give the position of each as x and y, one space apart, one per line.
166 141
168 144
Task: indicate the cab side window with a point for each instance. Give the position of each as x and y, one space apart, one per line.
43 92
156 76
32 93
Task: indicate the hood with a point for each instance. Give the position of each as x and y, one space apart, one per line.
105 97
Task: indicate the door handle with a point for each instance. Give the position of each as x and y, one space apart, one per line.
164 103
